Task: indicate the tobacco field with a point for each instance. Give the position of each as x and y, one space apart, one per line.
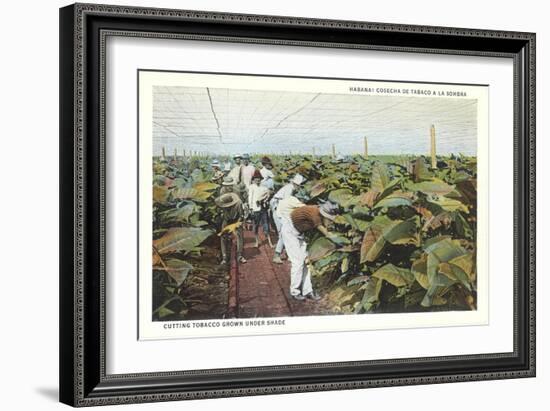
404 239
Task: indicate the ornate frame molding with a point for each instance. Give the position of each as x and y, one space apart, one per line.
83 378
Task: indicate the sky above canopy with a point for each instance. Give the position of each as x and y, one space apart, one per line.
226 121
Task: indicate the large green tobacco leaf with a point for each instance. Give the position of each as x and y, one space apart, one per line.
396 199
200 192
373 240
441 252
205 186
160 194
448 204
390 187
398 277
368 198
419 269
463 227
466 263
434 187
371 295
380 177
181 239
337 238
161 180
455 273
320 248
434 295
198 176
421 171
317 189
382 230
180 214
185 193
444 263
348 220
442 219
177 269
191 194
361 212
341 196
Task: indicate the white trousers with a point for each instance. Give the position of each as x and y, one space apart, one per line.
278 223
296 249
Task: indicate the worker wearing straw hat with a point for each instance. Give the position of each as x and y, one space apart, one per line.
236 171
231 213
247 171
236 174
258 197
267 173
218 173
228 185
297 219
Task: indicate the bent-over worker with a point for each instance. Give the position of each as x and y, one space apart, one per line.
298 218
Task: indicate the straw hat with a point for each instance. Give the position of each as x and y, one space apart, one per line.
227 200
228 181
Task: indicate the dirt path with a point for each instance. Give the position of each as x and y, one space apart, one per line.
263 287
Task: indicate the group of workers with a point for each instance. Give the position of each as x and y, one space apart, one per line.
247 194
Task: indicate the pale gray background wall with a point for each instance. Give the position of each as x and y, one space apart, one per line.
29 206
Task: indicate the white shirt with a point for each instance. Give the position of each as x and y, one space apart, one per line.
256 194
284 192
286 206
236 174
247 173
267 178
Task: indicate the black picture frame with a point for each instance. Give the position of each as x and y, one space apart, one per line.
83 30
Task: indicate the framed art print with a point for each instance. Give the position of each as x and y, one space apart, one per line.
375 257
274 187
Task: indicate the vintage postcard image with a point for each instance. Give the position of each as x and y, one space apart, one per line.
287 205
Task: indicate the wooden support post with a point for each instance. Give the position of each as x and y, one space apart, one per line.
366 148
333 151
175 154
163 153
432 147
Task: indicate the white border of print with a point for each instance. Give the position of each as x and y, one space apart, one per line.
149 329
126 55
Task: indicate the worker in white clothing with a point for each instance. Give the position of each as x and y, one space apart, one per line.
247 171
298 218
284 192
237 174
236 171
258 196
267 173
